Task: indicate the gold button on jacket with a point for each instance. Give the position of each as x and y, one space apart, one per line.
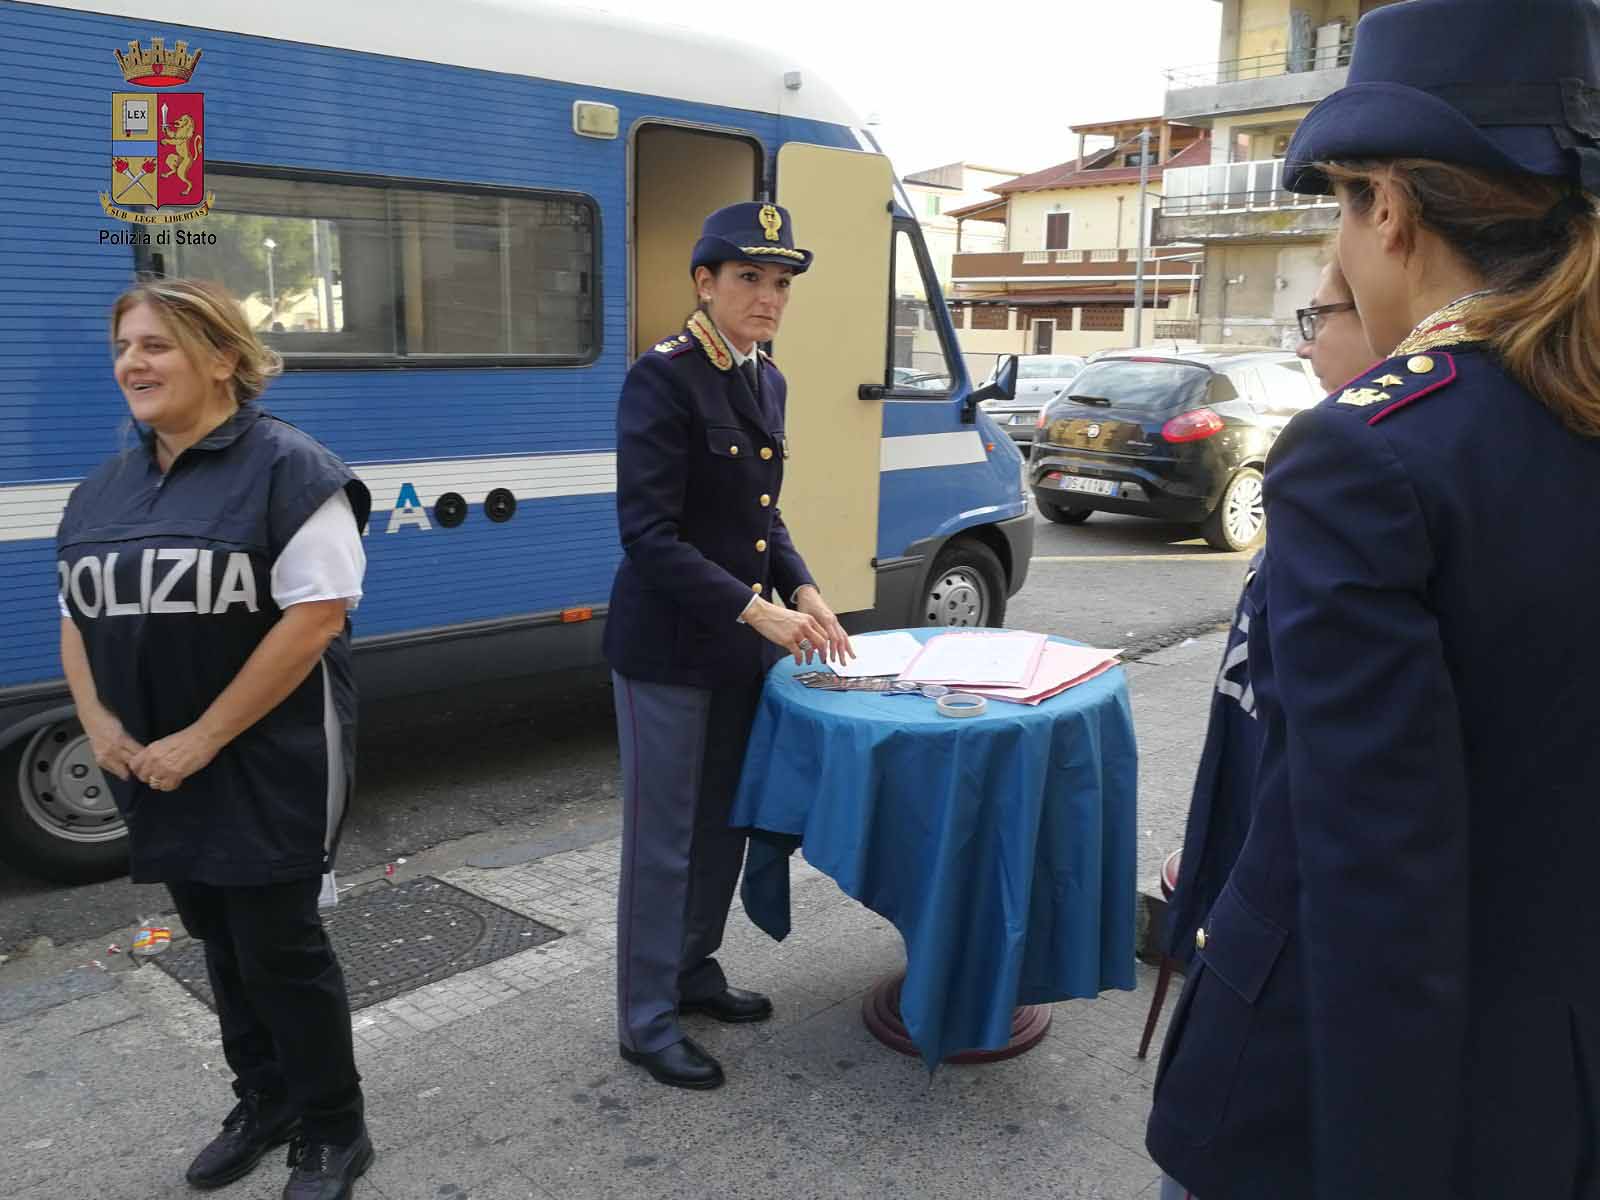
755 587
761 545
1199 939
765 501
766 452
733 450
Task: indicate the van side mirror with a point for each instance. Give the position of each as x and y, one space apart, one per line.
1002 385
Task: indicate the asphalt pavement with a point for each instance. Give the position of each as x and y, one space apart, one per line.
475 768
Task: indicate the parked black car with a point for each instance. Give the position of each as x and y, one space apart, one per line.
1179 437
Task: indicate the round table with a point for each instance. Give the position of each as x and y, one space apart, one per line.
1001 846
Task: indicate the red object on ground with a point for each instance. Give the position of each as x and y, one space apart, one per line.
880 1012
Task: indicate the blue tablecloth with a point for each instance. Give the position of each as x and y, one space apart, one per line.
1002 847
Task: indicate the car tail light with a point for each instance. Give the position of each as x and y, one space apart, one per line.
1192 426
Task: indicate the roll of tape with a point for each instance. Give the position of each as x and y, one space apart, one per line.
961 704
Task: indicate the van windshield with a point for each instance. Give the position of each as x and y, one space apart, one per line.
1140 386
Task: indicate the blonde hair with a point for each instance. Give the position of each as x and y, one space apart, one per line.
1536 243
206 320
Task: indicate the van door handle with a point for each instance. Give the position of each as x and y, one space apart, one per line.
872 391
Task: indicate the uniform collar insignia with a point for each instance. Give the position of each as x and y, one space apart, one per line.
1397 382
705 332
1446 327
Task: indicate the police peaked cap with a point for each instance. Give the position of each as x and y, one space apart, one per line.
752 232
1494 84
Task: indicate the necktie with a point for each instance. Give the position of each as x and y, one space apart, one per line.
748 370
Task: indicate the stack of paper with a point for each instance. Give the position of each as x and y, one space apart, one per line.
1023 668
878 654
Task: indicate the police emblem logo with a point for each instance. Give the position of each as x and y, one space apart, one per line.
771 220
157 138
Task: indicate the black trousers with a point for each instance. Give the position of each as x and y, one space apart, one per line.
281 999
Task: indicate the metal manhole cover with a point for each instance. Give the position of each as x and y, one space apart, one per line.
396 938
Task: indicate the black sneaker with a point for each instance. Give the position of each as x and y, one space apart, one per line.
323 1171
256 1124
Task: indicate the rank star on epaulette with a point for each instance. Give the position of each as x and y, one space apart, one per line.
1384 381
1361 397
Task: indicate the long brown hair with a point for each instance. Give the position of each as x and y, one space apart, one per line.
1536 243
205 318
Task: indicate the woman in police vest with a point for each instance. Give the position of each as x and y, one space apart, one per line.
206 574
1396 993
691 631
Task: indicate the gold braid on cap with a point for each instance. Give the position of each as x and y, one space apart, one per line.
780 251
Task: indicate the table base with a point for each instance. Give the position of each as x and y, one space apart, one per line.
880 1012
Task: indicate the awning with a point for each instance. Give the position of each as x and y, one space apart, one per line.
983 210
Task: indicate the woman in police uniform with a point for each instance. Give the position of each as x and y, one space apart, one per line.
691 630
205 578
1396 993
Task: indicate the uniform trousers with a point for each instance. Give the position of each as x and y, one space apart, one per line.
682 749
281 999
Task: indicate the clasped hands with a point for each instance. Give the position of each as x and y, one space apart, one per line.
163 765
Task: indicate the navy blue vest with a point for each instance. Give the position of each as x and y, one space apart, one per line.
169 580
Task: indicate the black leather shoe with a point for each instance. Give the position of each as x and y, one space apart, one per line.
682 1064
327 1172
256 1124
731 1005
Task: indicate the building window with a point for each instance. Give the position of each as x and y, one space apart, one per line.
1102 318
1139 158
932 205
958 316
1057 231
989 316
339 269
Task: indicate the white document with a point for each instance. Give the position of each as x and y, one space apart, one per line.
879 654
1003 659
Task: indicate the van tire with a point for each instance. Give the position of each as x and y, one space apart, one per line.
29 840
967 587
1061 515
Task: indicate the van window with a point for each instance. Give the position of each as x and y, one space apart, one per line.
333 268
917 361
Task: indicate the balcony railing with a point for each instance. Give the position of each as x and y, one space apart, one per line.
1231 187
1057 264
1261 66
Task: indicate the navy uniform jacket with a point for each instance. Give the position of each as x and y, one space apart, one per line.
1224 787
699 469
1398 991
169 580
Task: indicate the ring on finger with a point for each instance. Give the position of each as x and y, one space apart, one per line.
805 643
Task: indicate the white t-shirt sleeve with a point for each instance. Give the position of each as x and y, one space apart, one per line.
324 559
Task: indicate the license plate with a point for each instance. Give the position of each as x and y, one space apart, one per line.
1024 418
1094 487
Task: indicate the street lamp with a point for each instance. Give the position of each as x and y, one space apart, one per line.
272 287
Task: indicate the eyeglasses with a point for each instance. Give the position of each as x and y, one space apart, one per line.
1311 318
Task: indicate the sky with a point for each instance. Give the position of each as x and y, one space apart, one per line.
987 82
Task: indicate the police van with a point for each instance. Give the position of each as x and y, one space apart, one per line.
459 225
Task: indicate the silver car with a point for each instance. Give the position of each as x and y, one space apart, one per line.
1040 378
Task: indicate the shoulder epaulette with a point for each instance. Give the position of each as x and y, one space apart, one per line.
1397 382
674 346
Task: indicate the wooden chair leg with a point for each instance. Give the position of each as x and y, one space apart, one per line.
1156 1001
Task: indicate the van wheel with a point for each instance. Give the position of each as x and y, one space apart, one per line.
57 818
966 587
1063 516
1239 522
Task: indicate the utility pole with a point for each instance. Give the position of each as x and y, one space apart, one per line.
1138 274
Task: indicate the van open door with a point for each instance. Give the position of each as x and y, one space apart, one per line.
833 342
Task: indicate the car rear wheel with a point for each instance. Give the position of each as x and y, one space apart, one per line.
1061 515
967 587
57 818
1239 521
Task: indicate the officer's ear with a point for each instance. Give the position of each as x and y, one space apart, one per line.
1392 215
224 363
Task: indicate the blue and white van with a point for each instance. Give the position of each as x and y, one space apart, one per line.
459 224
